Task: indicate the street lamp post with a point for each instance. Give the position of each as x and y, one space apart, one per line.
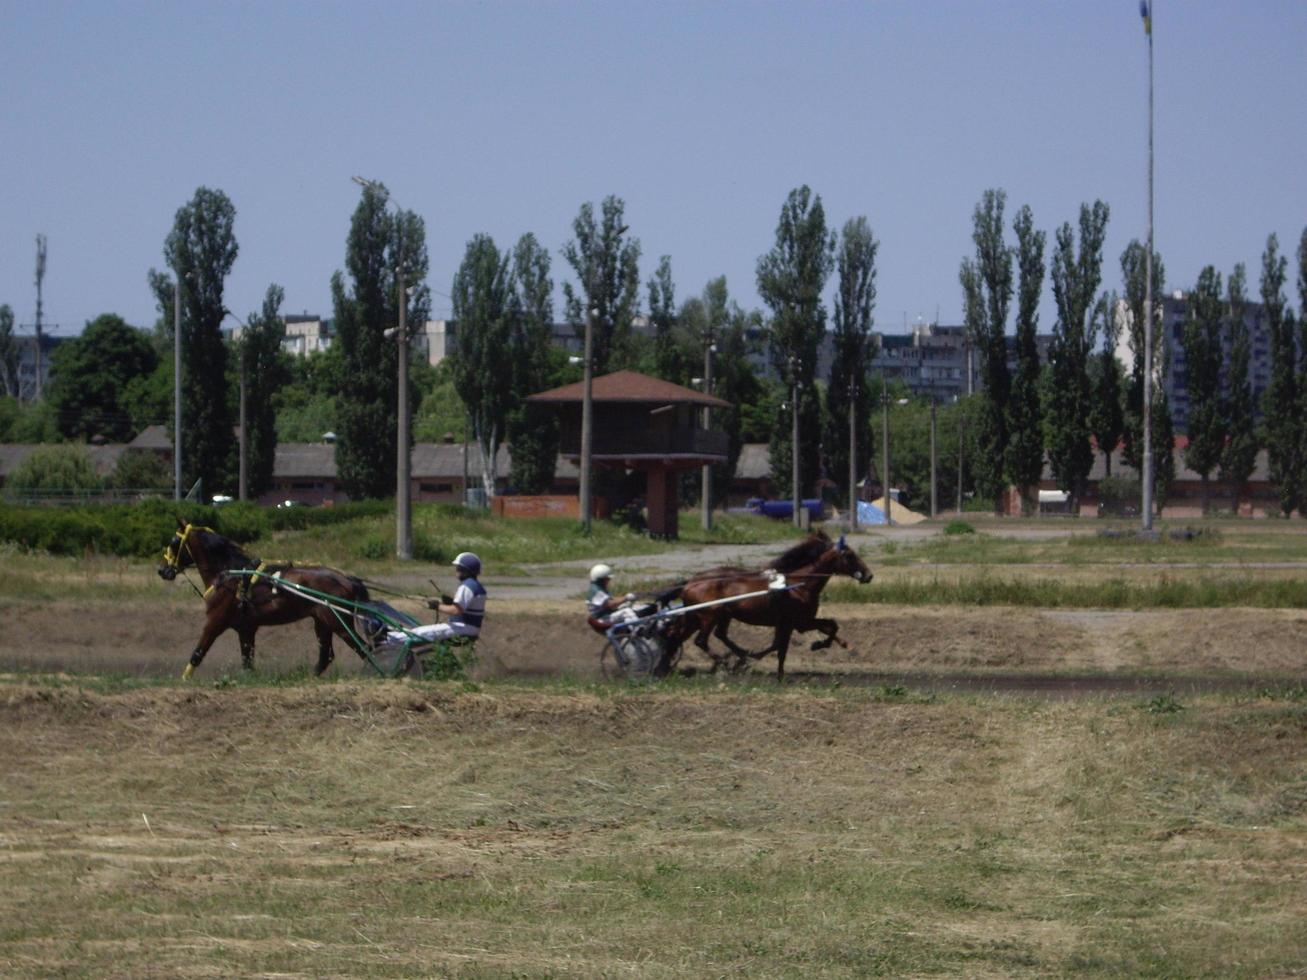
707 424
853 454
934 461
794 441
1145 9
884 446
177 387
403 452
242 439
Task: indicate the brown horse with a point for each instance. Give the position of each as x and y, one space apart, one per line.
245 602
805 568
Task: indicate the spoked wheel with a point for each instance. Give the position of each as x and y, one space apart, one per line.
397 660
631 656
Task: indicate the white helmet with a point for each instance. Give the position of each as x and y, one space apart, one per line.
600 572
469 562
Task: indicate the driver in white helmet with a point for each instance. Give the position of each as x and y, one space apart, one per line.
465 609
606 609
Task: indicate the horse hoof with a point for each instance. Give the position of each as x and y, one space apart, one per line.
186 674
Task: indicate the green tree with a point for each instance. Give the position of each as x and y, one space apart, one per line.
89 375
266 373
1107 412
986 292
1280 419
714 318
1075 276
1203 359
201 249
855 303
1163 447
791 278
379 246
606 263
532 429
8 353
1133 274
667 362
1239 457
1024 457
54 469
482 305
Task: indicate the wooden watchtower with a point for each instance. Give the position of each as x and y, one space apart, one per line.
641 423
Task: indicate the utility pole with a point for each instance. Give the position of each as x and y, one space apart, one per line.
403 459
961 419
40 275
1146 10
587 418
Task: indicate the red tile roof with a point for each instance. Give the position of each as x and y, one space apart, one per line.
629 386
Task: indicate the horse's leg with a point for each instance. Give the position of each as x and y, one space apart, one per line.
246 633
215 624
829 630
782 647
326 653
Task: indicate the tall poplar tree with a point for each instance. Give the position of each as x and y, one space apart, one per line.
532 429
1107 414
662 316
266 373
378 242
1280 420
483 376
987 291
1203 359
791 278
1024 457
8 352
1134 281
855 304
1239 457
606 262
1076 276
201 249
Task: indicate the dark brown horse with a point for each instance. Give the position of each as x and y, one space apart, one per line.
806 568
245 602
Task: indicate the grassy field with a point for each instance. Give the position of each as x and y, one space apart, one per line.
402 830
281 825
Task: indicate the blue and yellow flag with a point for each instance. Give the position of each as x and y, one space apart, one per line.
1146 12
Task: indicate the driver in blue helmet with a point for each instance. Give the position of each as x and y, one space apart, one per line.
465 609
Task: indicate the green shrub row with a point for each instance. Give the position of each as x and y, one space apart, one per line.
141 530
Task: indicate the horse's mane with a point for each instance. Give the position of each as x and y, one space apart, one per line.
226 552
804 553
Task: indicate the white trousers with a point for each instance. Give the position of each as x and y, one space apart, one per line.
432 631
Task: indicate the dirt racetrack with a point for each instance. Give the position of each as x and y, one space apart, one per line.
534 639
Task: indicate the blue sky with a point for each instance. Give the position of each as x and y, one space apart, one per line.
504 117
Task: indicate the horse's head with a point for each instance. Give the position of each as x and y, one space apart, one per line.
177 556
848 563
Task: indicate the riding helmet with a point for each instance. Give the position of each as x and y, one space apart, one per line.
600 572
469 562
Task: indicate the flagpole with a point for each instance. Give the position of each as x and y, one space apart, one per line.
1146 11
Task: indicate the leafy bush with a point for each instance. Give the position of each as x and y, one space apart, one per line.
1119 496
54 468
959 527
142 529
138 470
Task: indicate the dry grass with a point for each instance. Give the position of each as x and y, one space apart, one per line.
400 830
